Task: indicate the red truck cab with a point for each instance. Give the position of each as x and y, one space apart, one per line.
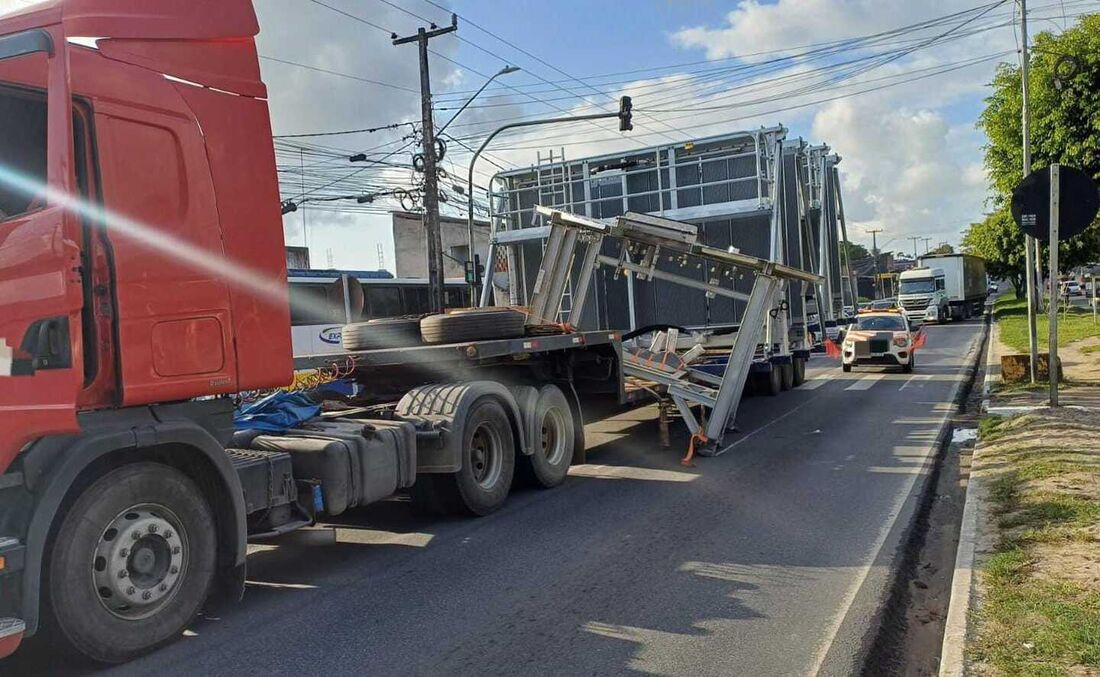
141 267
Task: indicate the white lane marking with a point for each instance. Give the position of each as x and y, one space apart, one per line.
866 382
813 384
918 377
769 424
884 532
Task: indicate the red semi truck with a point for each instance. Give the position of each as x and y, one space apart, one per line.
142 284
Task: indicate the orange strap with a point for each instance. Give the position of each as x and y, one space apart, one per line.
686 460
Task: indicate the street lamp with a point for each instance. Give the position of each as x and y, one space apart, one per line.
503 71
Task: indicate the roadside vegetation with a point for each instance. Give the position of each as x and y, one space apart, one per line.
1040 598
1011 313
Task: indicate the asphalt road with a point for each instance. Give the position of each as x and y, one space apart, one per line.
768 560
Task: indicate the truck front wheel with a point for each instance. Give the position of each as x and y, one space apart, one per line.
131 563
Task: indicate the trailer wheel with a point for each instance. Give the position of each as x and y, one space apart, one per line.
772 382
488 461
798 367
472 324
387 332
786 375
549 463
131 563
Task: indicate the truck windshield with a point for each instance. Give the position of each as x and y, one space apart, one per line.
921 286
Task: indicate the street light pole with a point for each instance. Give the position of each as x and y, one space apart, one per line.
503 71
470 179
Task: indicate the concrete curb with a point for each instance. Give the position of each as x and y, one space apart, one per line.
952 660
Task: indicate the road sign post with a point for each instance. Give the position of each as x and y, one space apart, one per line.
1052 306
1038 208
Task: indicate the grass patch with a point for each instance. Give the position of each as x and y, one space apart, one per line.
1034 627
1088 350
1011 314
988 426
1034 618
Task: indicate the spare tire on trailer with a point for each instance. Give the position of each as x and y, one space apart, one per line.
472 324
387 332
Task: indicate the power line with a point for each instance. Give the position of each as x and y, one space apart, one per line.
367 130
337 73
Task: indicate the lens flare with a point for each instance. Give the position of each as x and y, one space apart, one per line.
268 287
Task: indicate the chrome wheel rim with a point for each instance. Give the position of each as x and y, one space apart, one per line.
139 561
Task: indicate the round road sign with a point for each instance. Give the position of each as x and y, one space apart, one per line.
1079 199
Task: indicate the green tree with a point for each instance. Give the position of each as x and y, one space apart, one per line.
999 241
942 249
1064 85
854 251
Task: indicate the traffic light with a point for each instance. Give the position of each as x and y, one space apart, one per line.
474 270
626 114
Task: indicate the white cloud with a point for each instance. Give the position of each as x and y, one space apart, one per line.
910 166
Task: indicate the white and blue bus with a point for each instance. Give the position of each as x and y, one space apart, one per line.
316 324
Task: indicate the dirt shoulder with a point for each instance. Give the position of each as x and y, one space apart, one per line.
1038 596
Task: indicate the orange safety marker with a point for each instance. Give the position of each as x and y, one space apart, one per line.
686 460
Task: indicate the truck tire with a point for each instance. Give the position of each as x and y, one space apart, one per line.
908 367
798 365
472 324
771 383
388 332
488 463
131 563
786 375
846 368
552 451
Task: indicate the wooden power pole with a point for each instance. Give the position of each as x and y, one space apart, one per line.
874 258
431 180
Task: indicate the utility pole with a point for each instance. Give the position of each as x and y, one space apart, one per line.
926 241
874 257
1031 245
915 239
431 188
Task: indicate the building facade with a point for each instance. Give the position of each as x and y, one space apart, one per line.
410 245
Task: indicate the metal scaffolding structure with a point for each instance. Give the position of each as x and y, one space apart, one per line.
754 192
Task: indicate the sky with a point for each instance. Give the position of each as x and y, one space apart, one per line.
900 109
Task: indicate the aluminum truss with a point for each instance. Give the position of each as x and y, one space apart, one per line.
642 238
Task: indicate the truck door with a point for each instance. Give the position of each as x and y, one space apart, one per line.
41 286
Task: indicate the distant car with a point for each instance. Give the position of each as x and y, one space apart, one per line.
878 338
993 288
849 311
1071 288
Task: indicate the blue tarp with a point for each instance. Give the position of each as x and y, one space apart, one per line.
276 413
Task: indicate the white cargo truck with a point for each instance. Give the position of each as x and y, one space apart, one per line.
943 287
